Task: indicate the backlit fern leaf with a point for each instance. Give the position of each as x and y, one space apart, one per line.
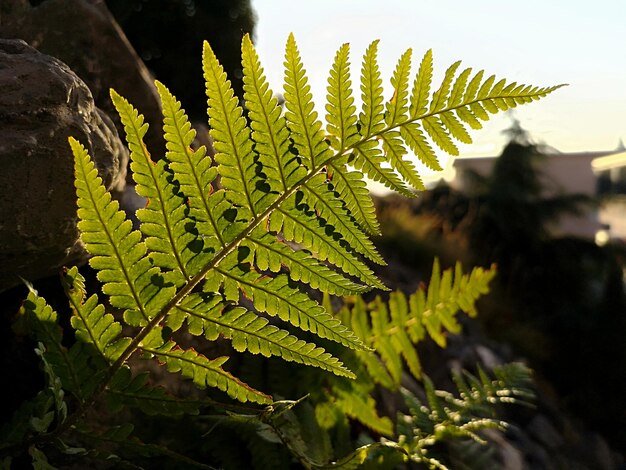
271 254
280 180
290 206
193 168
202 371
305 127
231 138
92 324
269 127
351 188
250 332
163 221
341 112
119 255
394 328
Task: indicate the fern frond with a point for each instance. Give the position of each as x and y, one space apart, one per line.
368 157
341 112
305 127
447 293
397 106
119 255
163 220
43 326
321 198
270 254
440 97
269 127
371 119
303 227
394 149
92 324
202 371
277 296
421 86
417 142
400 339
445 416
193 169
362 407
393 329
351 188
231 139
249 332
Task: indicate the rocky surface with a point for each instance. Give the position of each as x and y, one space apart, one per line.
43 103
84 35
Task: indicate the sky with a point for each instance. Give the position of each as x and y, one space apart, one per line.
535 42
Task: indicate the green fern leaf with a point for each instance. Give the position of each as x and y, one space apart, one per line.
249 332
395 151
421 87
440 97
369 158
341 112
414 137
357 319
202 371
118 254
320 197
42 323
400 340
193 169
269 127
270 254
382 341
231 139
305 228
458 90
306 129
277 297
455 128
397 107
435 129
92 324
163 220
362 407
371 119
353 191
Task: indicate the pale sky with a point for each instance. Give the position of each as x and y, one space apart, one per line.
538 42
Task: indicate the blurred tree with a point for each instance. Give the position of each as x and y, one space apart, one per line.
168 36
559 301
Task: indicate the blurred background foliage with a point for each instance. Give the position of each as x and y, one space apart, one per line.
559 301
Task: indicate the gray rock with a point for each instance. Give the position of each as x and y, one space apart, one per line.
84 35
43 103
